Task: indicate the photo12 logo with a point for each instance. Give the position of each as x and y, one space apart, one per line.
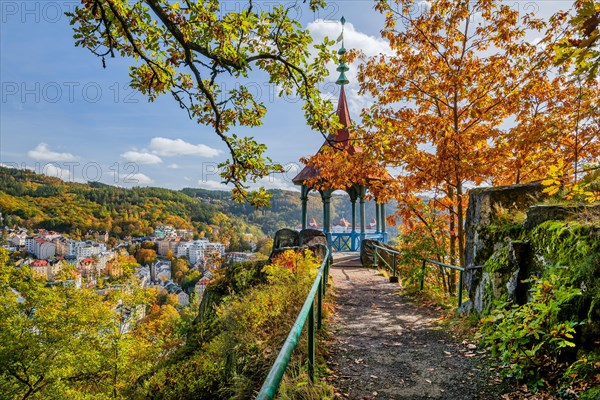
210 172
52 12
71 92
49 12
73 171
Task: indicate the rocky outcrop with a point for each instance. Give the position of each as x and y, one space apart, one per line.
310 237
502 253
540 213
483 282
286 239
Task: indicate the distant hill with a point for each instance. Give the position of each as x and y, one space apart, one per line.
38 201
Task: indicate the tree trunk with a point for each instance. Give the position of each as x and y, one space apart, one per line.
452 228
460 224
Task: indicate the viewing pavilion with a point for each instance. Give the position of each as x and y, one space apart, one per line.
350 241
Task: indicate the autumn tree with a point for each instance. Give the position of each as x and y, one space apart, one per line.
122 266
179 268
557 123
145 256
191 279
454 77
170 255
189 48
149 245
578 46
63 342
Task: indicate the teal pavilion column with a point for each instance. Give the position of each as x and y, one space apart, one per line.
377 217
304 198
362 194
383 222
326 197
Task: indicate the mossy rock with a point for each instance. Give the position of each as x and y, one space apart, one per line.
538 214
489 220
499 261
590 394
566 242
572 249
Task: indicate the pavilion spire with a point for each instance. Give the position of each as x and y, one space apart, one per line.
342 109
342 67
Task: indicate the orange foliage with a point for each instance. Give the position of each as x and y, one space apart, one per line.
464 99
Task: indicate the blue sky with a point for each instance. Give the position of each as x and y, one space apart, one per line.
62 114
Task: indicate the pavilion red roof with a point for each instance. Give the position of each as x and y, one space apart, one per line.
340 140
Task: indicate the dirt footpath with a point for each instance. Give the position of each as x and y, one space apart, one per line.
386 347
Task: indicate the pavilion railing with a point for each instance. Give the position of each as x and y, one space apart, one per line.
351 241
318 289
393 268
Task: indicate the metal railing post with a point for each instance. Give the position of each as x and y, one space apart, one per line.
423 275
375 258
394 277
326 274
460 287
311 343
319 305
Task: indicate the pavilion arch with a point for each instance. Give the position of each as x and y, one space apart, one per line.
346 241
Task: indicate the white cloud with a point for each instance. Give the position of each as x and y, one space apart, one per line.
42 153
173 166
212 185
55 172
353 39
138 179
141 157
177 147
272 182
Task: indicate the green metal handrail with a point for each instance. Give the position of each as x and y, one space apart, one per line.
319 287
454 267
394 278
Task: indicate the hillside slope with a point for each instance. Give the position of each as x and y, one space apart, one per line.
37 201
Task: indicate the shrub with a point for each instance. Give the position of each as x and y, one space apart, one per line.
242 335
533 343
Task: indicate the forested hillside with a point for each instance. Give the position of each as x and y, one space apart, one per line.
37 201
